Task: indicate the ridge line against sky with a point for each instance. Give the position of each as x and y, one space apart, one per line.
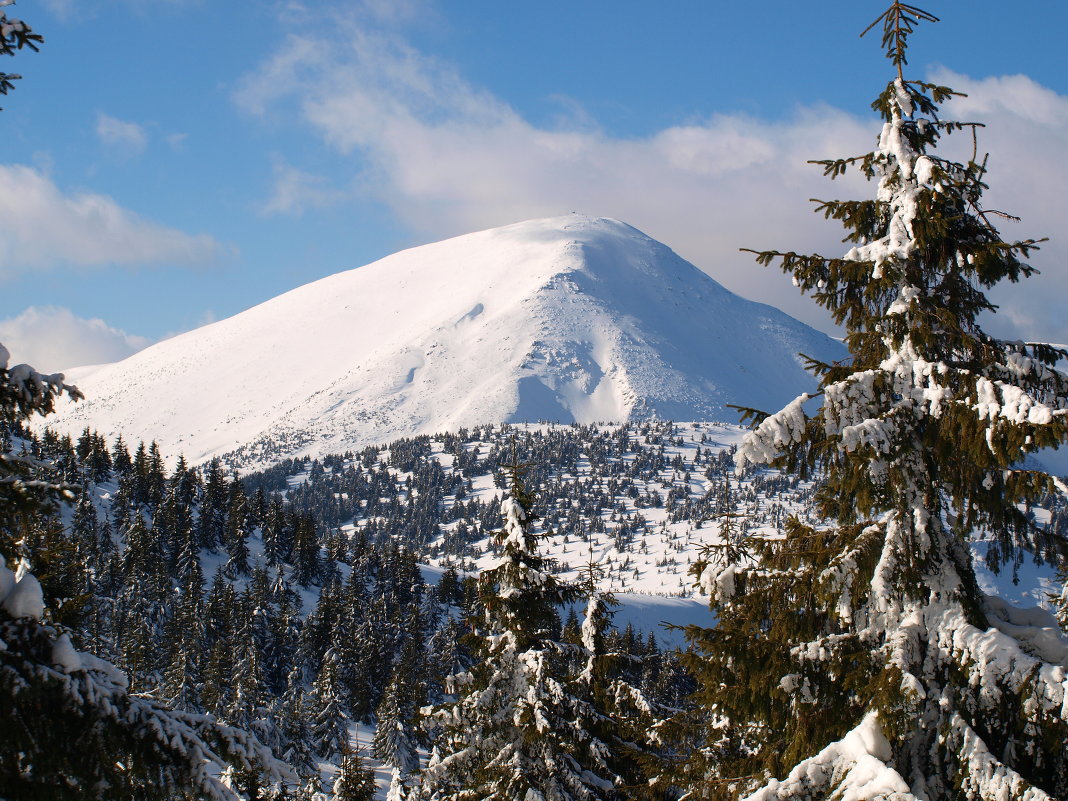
172 162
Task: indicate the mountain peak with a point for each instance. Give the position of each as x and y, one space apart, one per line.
570 318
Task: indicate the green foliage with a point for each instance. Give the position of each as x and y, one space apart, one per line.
69 726
870 624
517 729
80 735
355 781
14 35
28 485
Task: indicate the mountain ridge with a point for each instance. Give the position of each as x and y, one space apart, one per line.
568 319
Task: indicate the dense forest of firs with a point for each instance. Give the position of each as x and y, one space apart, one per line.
291 602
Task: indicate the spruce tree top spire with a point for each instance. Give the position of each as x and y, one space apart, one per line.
863 645
898 22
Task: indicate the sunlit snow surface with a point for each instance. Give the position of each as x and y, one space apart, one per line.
568 319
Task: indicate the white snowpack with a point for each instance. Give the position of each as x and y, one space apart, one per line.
26 598
568 318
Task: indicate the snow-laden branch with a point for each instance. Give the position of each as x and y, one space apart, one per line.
854 768
776 432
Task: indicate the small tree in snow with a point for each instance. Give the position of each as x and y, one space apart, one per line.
860 659
394 740
1060 602
355 781
622 720
329 727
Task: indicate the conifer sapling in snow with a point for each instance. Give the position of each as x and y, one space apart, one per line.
394 740
329 728
858 658
355 781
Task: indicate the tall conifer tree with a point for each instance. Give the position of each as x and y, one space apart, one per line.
395 741
621 719
185 640
512 733
329 727
859 658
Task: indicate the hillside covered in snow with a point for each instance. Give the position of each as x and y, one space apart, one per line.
640 500
567 319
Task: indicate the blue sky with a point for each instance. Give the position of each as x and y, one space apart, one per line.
171 162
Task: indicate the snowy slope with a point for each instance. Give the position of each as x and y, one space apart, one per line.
649 571
569 319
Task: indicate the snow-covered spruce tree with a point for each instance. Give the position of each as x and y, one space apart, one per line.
859 658
620 715
28 487
355 781
395 741
14 35
1060 602
183 676
143 604
511 734
329 726
298 750
69 726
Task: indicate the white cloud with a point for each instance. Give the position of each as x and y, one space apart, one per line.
448 157
1025 134
296 191
71 10
40 226
129 137
52 338
397 12
62 9
278 75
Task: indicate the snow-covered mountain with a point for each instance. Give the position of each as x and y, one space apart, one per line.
566 319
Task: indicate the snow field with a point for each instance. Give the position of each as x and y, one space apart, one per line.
568 318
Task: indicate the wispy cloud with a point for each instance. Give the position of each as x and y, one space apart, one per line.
53 338
62 9
129 137
176 140
396 12
295 191
73 11
1025 134
448 157
41 227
